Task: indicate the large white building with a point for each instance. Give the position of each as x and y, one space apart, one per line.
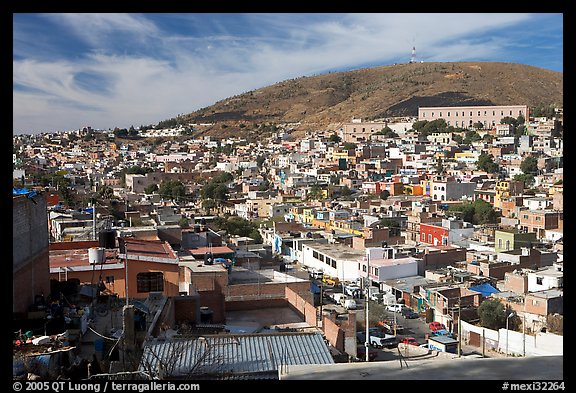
467 116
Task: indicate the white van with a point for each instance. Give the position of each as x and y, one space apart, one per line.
350 304
395 307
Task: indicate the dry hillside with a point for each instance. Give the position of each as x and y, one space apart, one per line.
326 101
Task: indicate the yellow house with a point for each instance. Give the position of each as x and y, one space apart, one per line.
505 189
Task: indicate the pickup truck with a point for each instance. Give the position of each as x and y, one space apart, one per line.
388 325
377 338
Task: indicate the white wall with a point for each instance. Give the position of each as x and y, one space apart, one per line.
541 344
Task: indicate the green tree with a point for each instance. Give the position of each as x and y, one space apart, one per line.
457 138
106 192
349 146
151 189
529 165
484 213
393 226
335 138
509 120
492 314
384 194
238 226
184 223
172 189
471 136
315 193
419 125
525 178
438 125
260 161
486 163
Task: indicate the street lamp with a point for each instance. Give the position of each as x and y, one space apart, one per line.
507 319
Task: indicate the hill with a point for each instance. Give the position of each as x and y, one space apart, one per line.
326 101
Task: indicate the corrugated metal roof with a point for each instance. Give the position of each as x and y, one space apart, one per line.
231 356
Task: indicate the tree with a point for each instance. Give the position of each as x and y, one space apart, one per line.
509 120
457 138
384 194
260 161
525 178
151 189
350 146
172 189
477 212
106 192
529 165
392 225
492 314
418 125
184 223
335 138
486 163
315 193
484 213
471 136
439 166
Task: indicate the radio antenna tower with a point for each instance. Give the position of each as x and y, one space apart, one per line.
413 57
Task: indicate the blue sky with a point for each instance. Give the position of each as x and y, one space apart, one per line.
116 70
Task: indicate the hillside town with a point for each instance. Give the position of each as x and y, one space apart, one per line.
165 253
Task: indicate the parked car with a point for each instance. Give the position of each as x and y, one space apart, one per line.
350 304
395 307
361 353
442 332
436 326
409 341
409 313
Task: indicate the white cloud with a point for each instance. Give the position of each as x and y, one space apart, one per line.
151 74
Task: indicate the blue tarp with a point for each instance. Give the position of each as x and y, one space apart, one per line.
485 289
23 191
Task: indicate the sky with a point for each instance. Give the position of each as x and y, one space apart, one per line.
107 70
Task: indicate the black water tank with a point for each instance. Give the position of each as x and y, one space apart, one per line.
107 239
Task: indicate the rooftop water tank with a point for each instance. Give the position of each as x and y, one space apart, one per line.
96 255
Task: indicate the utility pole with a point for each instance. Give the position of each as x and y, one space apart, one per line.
366 301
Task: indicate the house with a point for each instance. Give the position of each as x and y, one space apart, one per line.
506 239
136 267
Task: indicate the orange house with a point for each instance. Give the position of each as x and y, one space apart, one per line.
149 266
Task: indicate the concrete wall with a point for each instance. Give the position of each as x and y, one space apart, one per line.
267 290
30 257
541 344
302 304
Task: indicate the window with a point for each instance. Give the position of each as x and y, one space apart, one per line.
315 254
507 244
440 114
150 282
429 238
499 243
539 280
333 264
448 113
